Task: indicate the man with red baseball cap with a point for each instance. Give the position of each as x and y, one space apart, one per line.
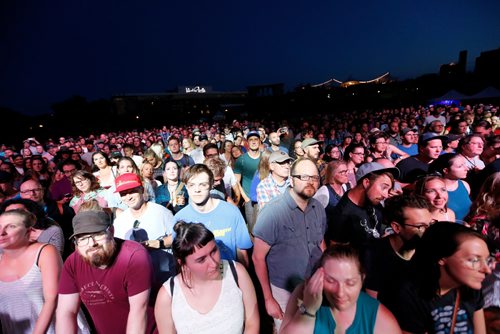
146 222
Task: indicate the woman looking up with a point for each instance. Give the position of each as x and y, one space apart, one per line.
453 167
29 276
208 295
103 170
433 189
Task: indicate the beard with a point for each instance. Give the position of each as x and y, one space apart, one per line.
307 193
411 243
101 255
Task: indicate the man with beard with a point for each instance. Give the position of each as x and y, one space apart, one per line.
289 238
110 276
312 151
387 260
357 218
275 141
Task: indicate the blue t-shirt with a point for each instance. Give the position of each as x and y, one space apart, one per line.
412 150
226 223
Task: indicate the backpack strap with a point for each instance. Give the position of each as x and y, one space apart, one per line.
172 286
233 270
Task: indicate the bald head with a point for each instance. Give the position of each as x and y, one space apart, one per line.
32 190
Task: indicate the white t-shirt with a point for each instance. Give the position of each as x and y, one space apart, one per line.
155 222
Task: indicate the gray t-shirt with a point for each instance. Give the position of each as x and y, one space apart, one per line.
295 238
53 235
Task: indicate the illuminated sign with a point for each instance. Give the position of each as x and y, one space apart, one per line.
194 89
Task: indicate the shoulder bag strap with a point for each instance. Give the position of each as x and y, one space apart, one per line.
233 270
172 286
455 312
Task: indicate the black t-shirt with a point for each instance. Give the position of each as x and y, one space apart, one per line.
416 314
385 270
410 169
353 224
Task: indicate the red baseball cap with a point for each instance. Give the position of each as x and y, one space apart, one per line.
127 181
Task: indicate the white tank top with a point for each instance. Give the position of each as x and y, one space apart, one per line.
227 315
22 300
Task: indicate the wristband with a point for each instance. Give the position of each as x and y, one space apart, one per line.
303 311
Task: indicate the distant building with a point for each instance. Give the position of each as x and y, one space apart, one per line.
187 103
488 66
455 70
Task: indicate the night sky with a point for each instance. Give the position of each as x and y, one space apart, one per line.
51 50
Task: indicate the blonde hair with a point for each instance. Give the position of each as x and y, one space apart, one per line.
264 167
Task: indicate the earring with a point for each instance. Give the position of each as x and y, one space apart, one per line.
221 269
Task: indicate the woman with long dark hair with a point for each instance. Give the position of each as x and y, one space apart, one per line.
208 295
444 295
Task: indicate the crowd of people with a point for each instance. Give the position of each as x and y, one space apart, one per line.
379 221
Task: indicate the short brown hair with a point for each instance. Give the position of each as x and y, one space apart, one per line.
197 169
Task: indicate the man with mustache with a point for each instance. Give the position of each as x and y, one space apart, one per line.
112 278
388 259
289 238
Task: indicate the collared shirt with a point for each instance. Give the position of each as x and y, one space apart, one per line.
269 189
295 237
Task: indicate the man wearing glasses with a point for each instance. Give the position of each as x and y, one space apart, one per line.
110 276
388 259
289 238
34 191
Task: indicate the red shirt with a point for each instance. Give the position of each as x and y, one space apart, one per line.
105 292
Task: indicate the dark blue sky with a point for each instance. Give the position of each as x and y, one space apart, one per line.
51 50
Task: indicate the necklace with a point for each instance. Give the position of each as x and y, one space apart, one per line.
470 161
365 224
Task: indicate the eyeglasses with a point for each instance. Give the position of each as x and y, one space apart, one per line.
202 185
71 171
304 177
80 182
31 191
357 153
422 227
85 240
475 262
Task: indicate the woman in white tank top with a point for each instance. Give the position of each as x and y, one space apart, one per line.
208 295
